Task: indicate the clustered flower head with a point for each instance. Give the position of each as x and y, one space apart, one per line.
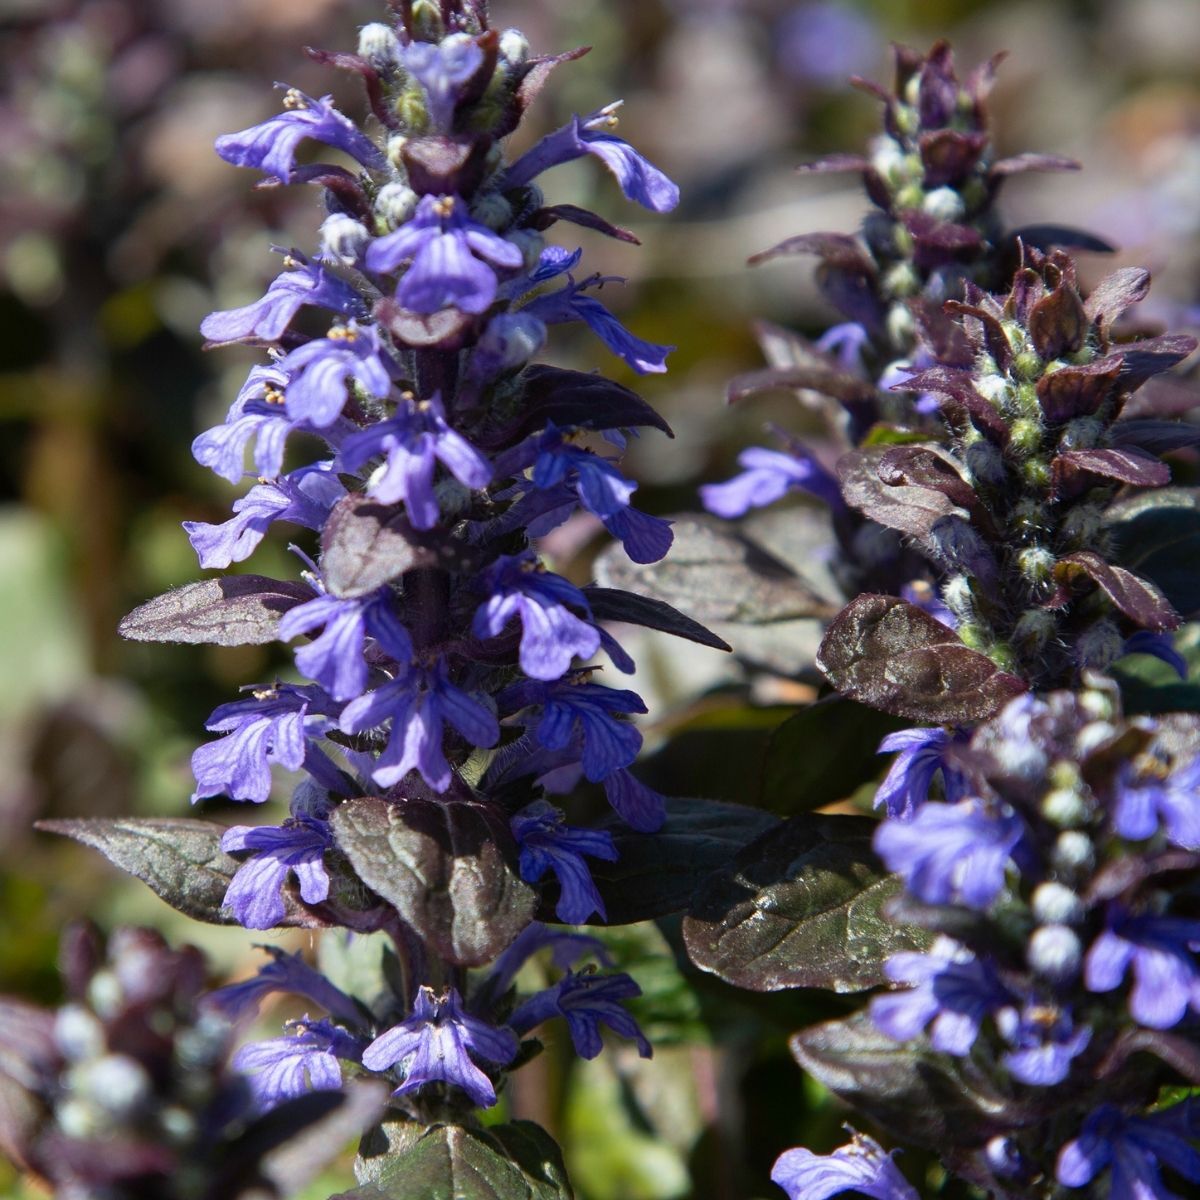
442 659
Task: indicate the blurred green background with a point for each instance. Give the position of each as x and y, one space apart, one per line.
120 229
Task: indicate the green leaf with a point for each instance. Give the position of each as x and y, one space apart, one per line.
822 754
800 907
657 873
448 867
921 1096
1161 540
404 1160
180 859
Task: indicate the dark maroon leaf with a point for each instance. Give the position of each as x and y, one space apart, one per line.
932 468
612 604
984 329
944 338
1115 293
1162 396
834 164
383 112
1057 323
958 387
1180 1053
948 155
347 190
923 1097
896 657
1155 437
1157 534
545 217
537 73
1019 163
1078 391
1152 356
1139 600
445 165
365 544
828 380
236 610
1073 471
1049 237
911 510
181 861
940 235
799 907
656 874
838 249
448 867
447 329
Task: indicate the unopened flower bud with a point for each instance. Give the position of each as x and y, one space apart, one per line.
395 203
491 209
1099 646
511 340
901 327
1065 807
1034 628
395 150
1083 433
1073 851
343 239
962 548
115 1082
1025 436
426 22
945 204
514 47
985 463
1027 365
378 44
77 1033
888 159
1054 952
105 994
958 597
1003 1157
1036 564
902 280
1054 904
531 243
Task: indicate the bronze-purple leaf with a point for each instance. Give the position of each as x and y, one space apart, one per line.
1152 356
984 329
1073 471
365 544
453 165
1078 391
1019 163
545 217
948 155
958 387
838 249
1057 323
1115 293
1155 437
1137 598
829 381
911 510
894 656
835 163
932 468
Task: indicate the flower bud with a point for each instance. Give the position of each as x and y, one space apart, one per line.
958 597
1034 628
395 203
491 209
902 280
1025 436
985 463
426 21
395 150
945 204
961 547
1099 646
514 47
378 44
116 1083
511 340
1054 904
1054 952
1073 851
1082 433
1003 1157
1027 365
1065 807
77 1033
1036 564
343 239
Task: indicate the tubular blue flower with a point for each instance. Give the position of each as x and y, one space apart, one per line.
1135 1149
1157 645
272 726
950 988
566 949
1165 972
412 443
551 635
436 1044
922 594
546 842
282 1068
922 755
256 415
319 370
570 304
951 853
638 178
586 1001
303 283
442 68
1045 1040
296 847
271 146
845 342
450 254
304 497
641 807
577 707
1143 803
335 658
420 703
861 1166
768 476
284 973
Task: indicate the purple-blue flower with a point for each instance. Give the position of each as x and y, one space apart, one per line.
551 634
303 283
412 443
566 949
335 657
271 146
297 847
950 987
861 1166
586 1001
282 1068
1144 802
450 256
922 594
256 415
1157 645
951 853
420 703
769 475
271 726
638 178
570 304
436 1044
1136 1149
922 755
639 806
845 342
1045 1043
546 842
1166 978
304 497
284 973
319 371
442 68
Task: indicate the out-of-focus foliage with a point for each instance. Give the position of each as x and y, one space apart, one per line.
120 229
